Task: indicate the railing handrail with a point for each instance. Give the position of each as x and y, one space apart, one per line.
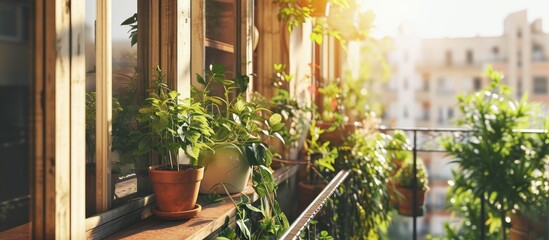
448 129
310 212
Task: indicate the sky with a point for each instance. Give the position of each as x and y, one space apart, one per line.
451 18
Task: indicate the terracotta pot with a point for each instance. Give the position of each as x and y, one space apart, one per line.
227 168
307 193
523 227
319 7
339 135
176 191
405 201
393 196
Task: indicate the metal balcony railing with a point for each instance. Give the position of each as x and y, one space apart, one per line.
423 140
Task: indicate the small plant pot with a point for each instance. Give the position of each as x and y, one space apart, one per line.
406 203
307 193
319 7
523 227
228 170
175 191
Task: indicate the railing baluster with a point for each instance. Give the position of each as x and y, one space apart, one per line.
414 185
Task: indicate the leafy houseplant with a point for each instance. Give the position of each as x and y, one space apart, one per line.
238 147
319 167
398 148
498 162
239 127
166 126
405 185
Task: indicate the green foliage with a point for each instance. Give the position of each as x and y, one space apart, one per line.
496 160
293 15
168 124
405 175
398 147
362 203
243 125
90 123
132 22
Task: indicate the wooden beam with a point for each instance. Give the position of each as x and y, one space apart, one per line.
77 120
183 39
37 123
103 129
198 57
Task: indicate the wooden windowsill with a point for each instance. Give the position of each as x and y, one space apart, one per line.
211 218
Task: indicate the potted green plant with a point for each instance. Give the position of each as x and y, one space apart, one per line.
295 117
398 148
238 148
321 158
166 126
405 187
495 141
240 127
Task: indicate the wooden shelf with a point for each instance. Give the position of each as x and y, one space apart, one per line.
211 218
219 45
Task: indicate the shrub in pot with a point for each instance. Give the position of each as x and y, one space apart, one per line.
406 186
496 160
166 126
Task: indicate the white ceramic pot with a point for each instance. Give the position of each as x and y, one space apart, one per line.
228 169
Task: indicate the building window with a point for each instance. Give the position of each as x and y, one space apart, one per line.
450 113
405 83
519 87
440 115
448 58
425 111
519 33
470 57
477 84
537 53
405 112
425 82
540 85
495 51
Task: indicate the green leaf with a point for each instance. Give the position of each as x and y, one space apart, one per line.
275 119
200 79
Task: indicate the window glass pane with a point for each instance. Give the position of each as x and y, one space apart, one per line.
124 182
90 106
220 20
15 73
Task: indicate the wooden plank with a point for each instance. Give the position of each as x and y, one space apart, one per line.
184 51
37 124
77 120
210 219
168 42
197 38
103 129
246 41
219 45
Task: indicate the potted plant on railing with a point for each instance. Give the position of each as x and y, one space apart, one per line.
497 161
405 187
321 158
166 126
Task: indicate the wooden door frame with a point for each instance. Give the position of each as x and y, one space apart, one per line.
58 120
